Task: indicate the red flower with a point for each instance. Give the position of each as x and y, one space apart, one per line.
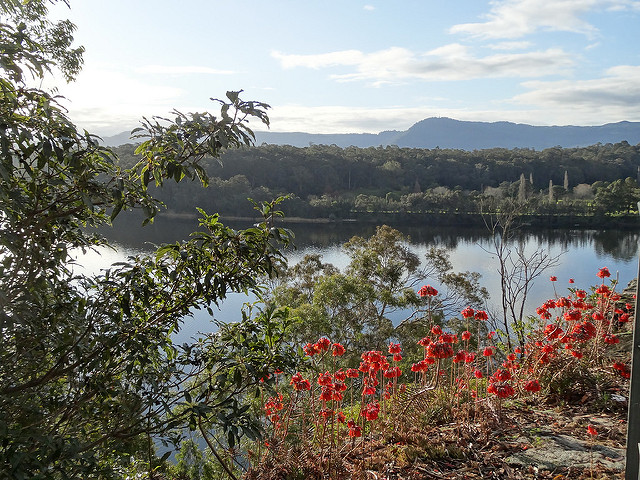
436 330
477 374
397 357
459 357
466 335
597 316
552 331
354 430
603 273
532 386
368 390
326 413
571 280
300 383
352 373
553 278
592 431
371 411
393 372
622 369
502 375
481 315
427 290
572 315
440 350
325 379
327 393
323 344
337 350
394 348
488 351
340 386
543 312
611 339
309 350
468 312
501 389
448 338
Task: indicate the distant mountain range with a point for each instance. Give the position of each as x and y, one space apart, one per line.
448 133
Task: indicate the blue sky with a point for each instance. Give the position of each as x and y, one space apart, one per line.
340 66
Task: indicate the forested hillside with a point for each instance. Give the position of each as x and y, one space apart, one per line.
328 181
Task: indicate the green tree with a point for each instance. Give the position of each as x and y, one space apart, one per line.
88 368
618 196
355 306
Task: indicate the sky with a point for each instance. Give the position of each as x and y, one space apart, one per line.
350 66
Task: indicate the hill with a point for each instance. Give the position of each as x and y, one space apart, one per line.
449 133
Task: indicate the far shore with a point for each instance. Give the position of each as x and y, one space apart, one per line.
625 222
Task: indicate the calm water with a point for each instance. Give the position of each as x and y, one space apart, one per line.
583 253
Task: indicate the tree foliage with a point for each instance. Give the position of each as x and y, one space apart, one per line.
88 369
375 298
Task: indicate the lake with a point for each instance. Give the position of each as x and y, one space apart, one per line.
583 253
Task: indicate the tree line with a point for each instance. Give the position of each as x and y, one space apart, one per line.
329 181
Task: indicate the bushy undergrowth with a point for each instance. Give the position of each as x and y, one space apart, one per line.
331 419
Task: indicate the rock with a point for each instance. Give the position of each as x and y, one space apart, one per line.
555 451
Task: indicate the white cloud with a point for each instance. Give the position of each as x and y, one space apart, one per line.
369 8
510 46
517 18
323 60
181 70
449 62
615 96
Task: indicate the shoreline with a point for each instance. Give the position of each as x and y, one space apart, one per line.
624 222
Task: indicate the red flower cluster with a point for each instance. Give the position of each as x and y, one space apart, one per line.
532 386
500 389
300 383
354 430
272 407
622 369
427 291
371 411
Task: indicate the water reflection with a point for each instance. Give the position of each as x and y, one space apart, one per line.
583 253
619 245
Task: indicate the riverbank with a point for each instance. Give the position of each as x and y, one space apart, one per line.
620 222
